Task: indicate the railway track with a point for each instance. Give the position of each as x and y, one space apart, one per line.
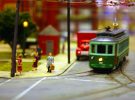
118 76
121 78
81 74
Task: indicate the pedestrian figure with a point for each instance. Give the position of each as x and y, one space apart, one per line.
19 64
63 47
35 61
63 40
39 50
50 63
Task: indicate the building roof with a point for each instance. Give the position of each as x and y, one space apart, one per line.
49 30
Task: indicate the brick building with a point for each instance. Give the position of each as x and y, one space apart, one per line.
54 12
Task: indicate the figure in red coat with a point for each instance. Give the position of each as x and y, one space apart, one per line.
35 61
19 64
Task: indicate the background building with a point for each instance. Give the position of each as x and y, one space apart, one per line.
54 12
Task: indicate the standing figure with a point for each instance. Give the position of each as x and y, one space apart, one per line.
19 64
35 61
39 50
63 41
50 62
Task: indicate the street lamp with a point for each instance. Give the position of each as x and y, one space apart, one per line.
25 25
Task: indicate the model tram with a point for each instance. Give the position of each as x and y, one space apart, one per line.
109 49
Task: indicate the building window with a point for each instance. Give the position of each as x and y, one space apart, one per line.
64 11
85 26
85 12
39 8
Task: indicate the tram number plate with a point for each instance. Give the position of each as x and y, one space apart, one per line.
84 52
100 62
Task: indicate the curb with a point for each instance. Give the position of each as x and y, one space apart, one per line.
65 69
67 66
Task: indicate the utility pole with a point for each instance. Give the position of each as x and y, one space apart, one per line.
13 69
68 30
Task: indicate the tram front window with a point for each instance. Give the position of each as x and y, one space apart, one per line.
93 48
110 49
101 48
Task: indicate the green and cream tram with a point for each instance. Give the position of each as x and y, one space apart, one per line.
109 49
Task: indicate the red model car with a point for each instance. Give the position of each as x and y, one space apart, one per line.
83 39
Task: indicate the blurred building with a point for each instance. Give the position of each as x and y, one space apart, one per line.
54 12
117 11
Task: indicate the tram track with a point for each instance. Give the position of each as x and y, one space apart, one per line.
116 77
123 73
119 75
114 90
122 79
81 74
108 91
122 86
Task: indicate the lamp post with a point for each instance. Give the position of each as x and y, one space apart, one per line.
13 69
68 29
25 25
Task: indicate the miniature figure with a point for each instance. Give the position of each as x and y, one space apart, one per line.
63 41
19 64
39 50
50 63
35 61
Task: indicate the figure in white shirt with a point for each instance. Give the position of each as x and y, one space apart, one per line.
50 62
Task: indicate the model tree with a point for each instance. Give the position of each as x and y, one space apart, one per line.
7 23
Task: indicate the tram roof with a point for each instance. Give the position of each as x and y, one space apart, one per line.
105 39
112 33
110 36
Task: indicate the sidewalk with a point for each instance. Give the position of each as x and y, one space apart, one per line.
60 62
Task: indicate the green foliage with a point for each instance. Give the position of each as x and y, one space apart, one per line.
6 66
7 24
5 55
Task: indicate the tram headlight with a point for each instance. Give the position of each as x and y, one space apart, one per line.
100 59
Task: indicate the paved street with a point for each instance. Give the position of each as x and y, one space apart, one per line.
78 83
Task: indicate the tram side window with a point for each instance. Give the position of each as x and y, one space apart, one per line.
109 49
123 45
93 48
101 49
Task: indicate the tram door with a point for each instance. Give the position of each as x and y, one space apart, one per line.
49 46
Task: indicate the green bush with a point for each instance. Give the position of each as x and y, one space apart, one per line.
6 66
